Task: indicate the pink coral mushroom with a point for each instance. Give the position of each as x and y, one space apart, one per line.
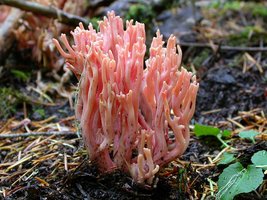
132 119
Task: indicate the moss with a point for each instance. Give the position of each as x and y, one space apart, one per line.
41 112
260 10
249 34
257 9
233 5
10 99
228 5
141 13
199 59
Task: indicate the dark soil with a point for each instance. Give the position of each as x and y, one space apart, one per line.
86 183
229 90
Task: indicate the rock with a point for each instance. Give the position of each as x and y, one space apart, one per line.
222 75
179 22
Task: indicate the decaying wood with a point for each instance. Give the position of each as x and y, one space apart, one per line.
48 11
7 37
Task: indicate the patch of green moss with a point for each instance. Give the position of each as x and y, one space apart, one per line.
232 5
199 59
41 112
10 99
141 13
257 9
249 34
228 5
236 61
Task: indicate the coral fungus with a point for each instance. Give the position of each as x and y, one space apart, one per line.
133 117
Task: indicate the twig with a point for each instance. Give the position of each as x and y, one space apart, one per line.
48 11
223 48
37 134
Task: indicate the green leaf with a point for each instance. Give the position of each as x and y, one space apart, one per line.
23 76
203 130
226 133
236 179
249 135
260 159
226 158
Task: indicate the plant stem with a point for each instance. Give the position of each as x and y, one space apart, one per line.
219 136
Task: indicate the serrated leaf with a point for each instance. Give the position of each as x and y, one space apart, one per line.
236 179
260 159
226 158
203 130
250 134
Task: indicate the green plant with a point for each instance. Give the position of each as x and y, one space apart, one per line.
232 5
9 100
259 10
236 179
94 21
225 6
41 112
201 57
226 158
246 35
140 12
21 75
260 159
250 134
203 130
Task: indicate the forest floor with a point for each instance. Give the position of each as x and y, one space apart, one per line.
42 155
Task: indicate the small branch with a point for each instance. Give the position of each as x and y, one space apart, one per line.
37 134
223 48
48 11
